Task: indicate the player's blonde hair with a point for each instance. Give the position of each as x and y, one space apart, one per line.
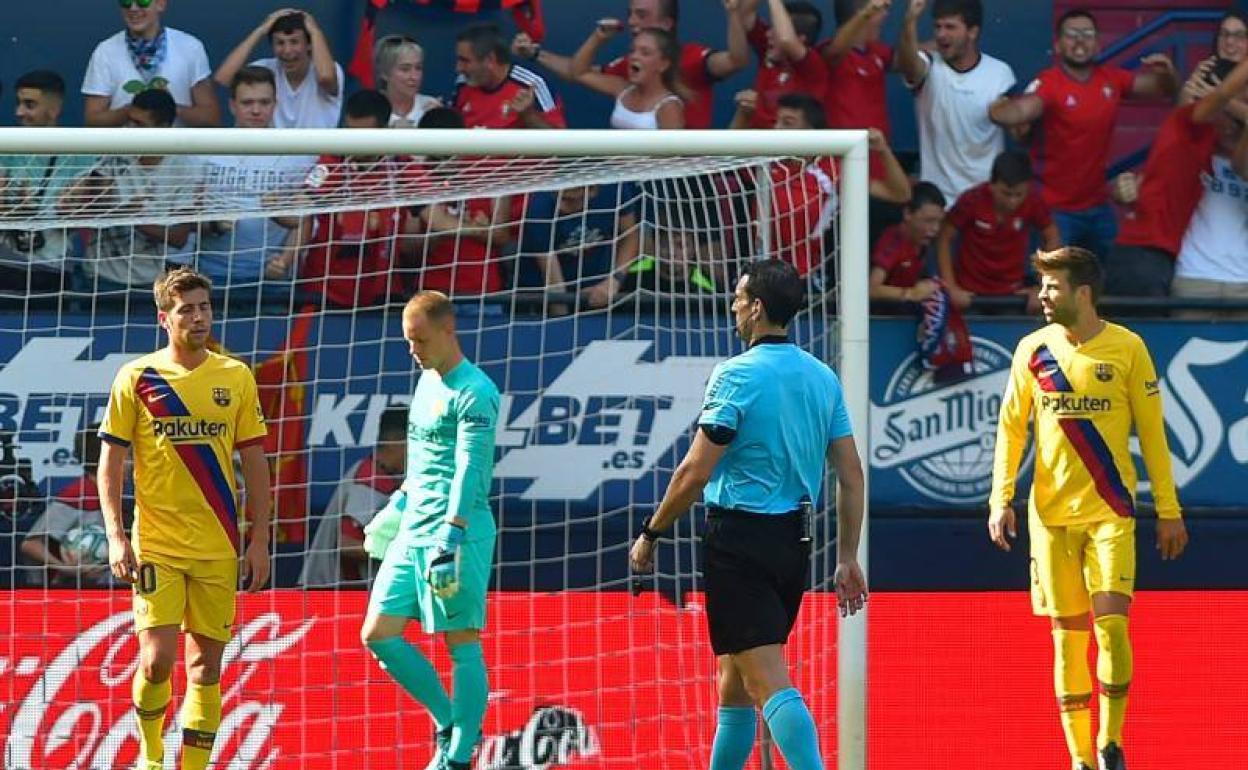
1081 266
433 305
178 281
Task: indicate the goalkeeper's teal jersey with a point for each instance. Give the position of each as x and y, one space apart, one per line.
450 454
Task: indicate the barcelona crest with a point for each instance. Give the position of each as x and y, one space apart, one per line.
221 396
1104 372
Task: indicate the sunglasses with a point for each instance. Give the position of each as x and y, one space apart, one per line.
128 4
389 41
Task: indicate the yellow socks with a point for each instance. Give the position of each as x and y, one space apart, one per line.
201 716
1113 669
1073 683
151 700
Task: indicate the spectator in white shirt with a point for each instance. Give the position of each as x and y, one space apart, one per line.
400 65
309 81
953 90
148 55
136 186
1213 260
234 252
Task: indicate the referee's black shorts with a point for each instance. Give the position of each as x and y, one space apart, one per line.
756 570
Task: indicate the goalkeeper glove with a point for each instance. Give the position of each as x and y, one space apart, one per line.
381 531
443 575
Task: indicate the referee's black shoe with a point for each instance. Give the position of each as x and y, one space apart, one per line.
1111 758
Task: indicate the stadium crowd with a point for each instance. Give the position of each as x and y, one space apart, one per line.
961 226
1002 169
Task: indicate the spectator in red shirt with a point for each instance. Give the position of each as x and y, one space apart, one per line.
352 254
857 62
993 223
463 240
647 99
1077 103
701 66
492 92
787 60
898 259
804 191
1163 198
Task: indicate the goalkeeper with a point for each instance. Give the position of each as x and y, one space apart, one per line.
436 535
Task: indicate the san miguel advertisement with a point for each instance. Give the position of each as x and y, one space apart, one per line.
595 410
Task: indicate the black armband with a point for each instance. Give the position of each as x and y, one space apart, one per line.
652 535
720 435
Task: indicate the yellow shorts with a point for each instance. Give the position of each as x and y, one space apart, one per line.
196 594
1069 564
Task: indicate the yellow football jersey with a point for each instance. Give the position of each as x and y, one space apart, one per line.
184 427
1085 400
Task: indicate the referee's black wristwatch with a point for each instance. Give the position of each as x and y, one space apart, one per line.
651 535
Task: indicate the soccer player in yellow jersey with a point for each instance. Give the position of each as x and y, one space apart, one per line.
1086 382
184 411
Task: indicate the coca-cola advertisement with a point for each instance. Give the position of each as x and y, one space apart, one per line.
577 680
609 680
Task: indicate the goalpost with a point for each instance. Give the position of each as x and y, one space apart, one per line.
590 667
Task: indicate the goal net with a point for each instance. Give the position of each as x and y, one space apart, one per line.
592 274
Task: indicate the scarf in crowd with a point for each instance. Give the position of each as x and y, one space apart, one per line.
944 342
148 55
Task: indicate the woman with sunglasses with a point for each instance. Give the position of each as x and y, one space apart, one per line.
146 55
400 65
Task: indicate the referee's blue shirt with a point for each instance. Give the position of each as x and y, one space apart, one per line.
785 407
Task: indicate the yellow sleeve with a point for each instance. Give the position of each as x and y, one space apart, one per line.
1011 431
123 410
1150 425
249 427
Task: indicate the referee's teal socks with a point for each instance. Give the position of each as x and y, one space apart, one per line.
415 674
470 690
734 737
793 728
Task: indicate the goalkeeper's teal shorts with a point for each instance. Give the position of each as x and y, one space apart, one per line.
402 588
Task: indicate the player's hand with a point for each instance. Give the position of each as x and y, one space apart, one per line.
851 587
121 561
443 574
961 297
256 565
1171 538
876 141
267 24
916 9
641 556
1002 524
602 293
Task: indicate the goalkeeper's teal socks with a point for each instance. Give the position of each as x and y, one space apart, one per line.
793 728
734 737
415 674
470 689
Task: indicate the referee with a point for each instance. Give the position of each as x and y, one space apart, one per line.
770 417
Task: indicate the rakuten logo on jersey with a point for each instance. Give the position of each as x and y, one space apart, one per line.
607 416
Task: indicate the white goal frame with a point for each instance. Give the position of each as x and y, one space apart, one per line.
853 267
